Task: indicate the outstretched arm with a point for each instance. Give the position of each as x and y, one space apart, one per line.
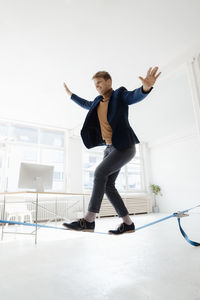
80 101
137 95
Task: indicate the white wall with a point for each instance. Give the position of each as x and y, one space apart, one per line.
167 110
175 143
176 168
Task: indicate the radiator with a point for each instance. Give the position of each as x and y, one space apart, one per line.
47 210
135 205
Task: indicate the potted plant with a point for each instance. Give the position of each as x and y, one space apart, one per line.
155 190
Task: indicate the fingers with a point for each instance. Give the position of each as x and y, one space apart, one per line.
154 71
66 87
157 75
149 71
141 78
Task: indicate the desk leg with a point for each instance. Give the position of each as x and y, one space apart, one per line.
4 208
36 218
56 210
83 206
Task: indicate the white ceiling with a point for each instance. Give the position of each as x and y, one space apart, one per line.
44 42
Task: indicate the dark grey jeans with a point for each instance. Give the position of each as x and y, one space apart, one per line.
105 176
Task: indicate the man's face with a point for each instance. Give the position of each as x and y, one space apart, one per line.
102 85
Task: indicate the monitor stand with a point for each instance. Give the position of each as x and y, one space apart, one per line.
39 184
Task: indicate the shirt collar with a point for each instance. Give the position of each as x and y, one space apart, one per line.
107 95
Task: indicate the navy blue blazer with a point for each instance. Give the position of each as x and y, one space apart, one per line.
123 135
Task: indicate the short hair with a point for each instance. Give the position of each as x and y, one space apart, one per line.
102 74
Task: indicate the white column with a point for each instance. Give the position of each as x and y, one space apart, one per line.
146 165
194 80
74 165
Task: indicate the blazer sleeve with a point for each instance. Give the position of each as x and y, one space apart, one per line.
82 102
135 96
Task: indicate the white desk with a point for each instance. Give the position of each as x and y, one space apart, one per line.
37 204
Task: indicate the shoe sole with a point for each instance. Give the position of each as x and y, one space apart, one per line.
78 230
130 231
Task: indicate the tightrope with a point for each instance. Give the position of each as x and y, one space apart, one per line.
177 215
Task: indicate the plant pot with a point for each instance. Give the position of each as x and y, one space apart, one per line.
155 209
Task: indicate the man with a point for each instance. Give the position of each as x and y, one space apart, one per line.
107 124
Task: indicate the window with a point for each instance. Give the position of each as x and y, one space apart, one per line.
121 180
24 134
52 138
3 130
1 167
52 156
58 176
29 154
91 159
30 144
130 178
134 174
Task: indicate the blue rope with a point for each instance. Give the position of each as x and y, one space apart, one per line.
31 224
178 215
185 235
152 223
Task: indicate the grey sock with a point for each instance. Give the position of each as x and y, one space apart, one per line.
127 220
90 216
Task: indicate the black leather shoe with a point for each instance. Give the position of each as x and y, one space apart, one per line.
123 228
81 225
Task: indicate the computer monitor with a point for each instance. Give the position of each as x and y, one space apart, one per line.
35 176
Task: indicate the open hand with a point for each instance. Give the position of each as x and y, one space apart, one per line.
150 78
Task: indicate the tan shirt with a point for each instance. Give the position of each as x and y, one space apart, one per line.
102 109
